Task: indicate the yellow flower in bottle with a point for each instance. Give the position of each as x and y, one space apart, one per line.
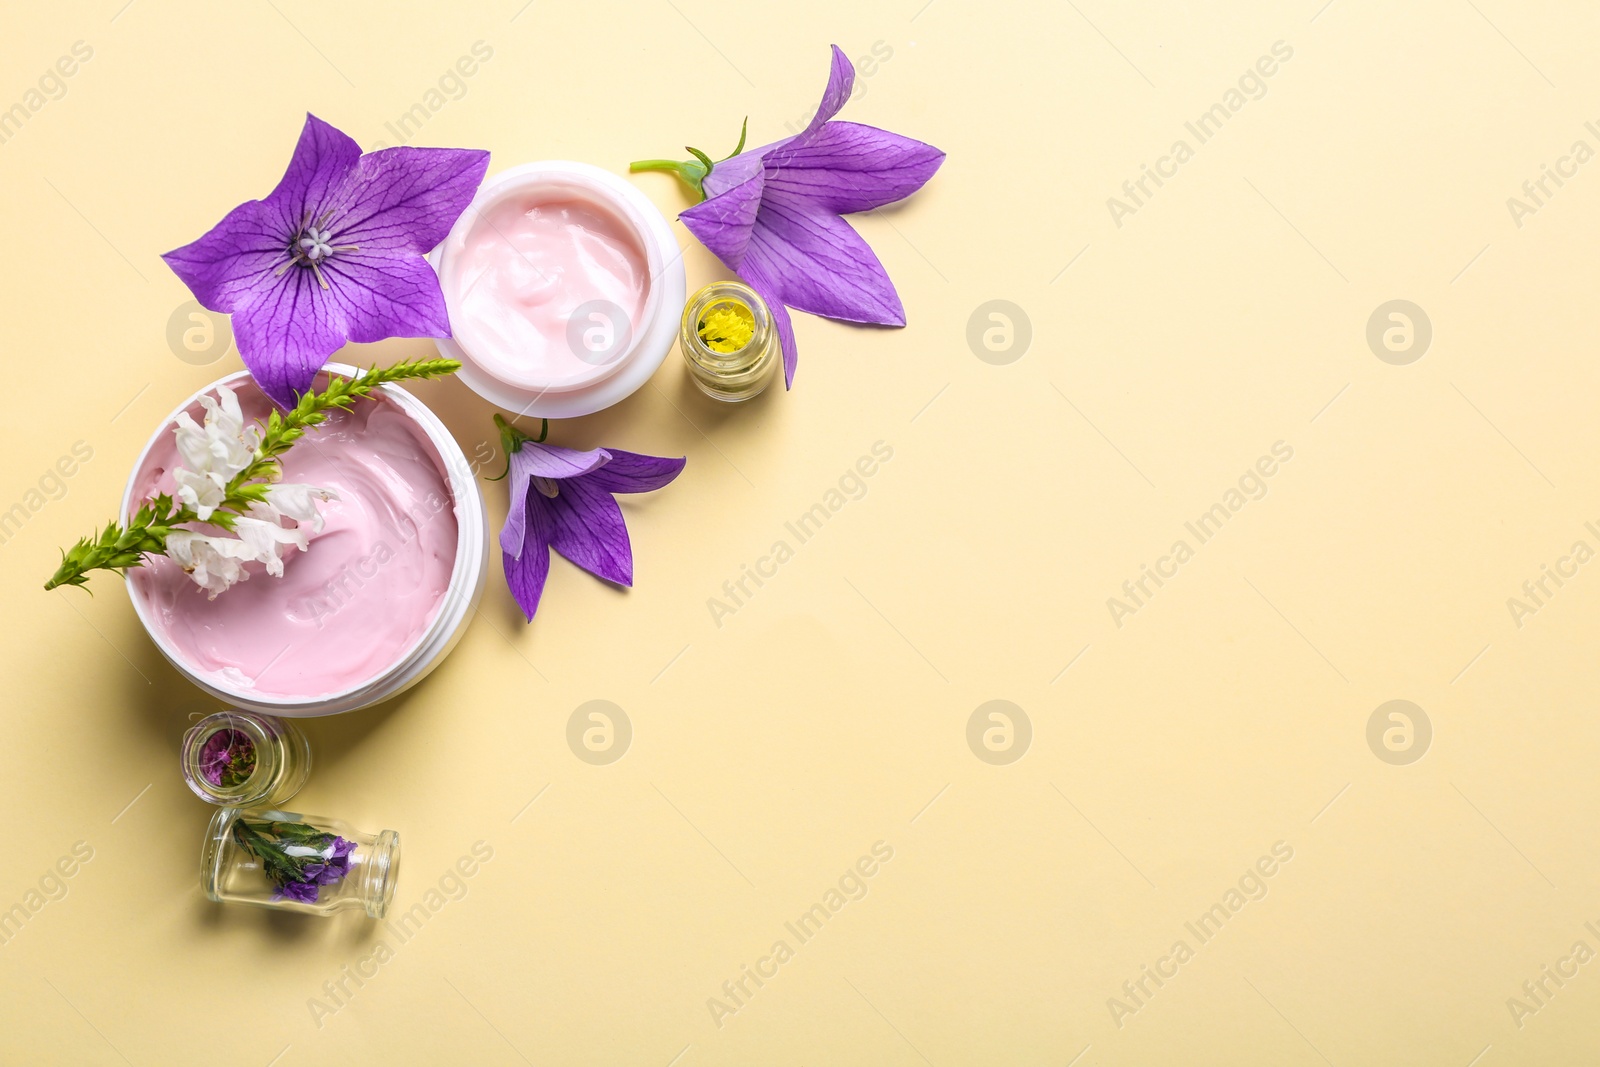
727 327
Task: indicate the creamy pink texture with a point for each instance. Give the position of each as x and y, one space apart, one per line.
526 266
362 594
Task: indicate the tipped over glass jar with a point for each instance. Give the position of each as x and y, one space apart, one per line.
293 862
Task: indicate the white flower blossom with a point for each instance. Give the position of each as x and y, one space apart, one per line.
299 502
203 491
265 538
213 453
215 563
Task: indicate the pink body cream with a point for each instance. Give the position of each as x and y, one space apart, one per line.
564 284
346 610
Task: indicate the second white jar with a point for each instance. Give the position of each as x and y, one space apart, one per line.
564 285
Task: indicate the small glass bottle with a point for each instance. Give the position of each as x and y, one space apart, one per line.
304 863
240 759
730 364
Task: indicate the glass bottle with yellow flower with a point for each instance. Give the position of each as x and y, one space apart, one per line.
728 341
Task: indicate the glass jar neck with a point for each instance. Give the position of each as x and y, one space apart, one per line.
380 872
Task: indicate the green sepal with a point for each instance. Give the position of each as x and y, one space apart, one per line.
511 440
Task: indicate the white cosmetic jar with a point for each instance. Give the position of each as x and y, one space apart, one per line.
615 357
427 651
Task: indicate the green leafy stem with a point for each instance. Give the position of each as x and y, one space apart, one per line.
118 547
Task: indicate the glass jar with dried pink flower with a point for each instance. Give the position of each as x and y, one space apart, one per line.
244 759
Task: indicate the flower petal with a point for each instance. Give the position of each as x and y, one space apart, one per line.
769 289
383 296
738 170
288 332
391 205
841 81
233 262
589 531
213 563
555 462
533 460
203 491
406 199
263 538
321 165
820 264
526 572
741 168
723 222
633 472
225 267
299 502
845 167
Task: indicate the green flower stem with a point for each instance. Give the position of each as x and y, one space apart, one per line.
639 165
692 172
117 548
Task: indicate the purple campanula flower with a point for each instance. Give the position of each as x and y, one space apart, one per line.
772 214
333 254
571 509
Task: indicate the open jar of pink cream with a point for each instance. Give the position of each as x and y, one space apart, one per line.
564 285
378 597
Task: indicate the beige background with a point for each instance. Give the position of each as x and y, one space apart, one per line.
830 712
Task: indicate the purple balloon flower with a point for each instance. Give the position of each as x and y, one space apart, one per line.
333 254
771 215
571 509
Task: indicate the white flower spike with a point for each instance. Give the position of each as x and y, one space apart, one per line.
214 454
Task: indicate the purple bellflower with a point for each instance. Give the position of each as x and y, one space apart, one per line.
333 254
561 498
772 214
